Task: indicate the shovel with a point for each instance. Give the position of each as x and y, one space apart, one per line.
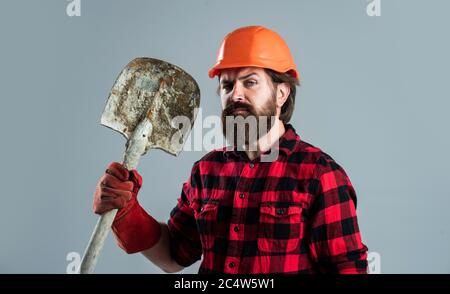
148 103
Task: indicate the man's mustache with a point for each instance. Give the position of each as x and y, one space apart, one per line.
230 108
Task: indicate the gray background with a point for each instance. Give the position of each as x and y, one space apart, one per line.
374 96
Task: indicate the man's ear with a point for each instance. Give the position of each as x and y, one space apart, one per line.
283 91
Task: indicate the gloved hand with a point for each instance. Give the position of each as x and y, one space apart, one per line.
134 229
116 188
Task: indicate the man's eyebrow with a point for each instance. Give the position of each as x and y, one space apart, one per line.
247 76
224 81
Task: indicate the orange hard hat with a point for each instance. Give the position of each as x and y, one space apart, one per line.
254 46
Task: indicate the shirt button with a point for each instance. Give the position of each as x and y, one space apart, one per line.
280 211
236 229
242 196
231 265
252 165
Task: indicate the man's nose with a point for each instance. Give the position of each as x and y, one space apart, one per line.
238 93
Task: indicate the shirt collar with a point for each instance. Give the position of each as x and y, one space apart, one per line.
287 143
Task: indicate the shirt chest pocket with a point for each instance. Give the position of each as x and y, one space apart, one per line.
280 229
206 218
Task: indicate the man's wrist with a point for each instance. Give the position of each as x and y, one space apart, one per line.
136 230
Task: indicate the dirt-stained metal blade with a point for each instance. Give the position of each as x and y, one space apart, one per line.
159 90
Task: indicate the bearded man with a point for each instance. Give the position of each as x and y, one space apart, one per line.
268 203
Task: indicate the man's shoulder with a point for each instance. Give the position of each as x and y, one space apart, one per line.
213 156
315 155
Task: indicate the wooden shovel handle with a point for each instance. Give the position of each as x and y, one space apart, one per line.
136 147
96 242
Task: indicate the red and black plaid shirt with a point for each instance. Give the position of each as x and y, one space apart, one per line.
293 215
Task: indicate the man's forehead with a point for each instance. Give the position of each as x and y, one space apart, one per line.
235 73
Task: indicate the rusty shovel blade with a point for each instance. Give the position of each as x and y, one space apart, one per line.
163 92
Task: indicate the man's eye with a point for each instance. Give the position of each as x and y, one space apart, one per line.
250 83
227 87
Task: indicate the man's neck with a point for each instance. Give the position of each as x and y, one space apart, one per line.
266 142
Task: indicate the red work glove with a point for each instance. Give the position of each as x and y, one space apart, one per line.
134 229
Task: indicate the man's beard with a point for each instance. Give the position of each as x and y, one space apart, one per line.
243 129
